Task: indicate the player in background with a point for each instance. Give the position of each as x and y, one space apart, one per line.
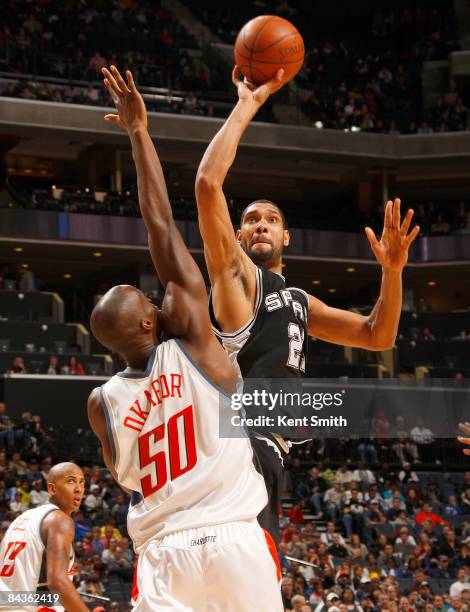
195 496
37 549
262 323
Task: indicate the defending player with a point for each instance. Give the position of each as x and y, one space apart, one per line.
195 496
262 323
37 549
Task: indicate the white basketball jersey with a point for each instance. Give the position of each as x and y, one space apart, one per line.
22 551
163 426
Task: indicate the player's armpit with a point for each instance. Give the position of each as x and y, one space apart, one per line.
340 326
97 422
233 300
189 320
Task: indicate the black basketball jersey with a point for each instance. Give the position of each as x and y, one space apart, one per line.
273 343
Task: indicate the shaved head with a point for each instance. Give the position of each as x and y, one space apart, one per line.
61 469
120 318
66 486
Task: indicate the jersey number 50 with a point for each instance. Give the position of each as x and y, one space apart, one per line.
183 420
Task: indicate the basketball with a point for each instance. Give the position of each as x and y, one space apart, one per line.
266 44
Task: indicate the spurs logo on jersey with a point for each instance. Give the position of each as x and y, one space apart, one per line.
273 344
163 425
22 558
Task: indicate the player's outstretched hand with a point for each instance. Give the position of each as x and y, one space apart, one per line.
392 249
129 103
465 428
256 93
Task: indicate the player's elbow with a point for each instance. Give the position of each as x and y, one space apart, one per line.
378 344
378 340
382 346
58 582
206 183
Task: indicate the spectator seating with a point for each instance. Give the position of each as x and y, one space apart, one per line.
352 78
57 337
338 216
29 306
31 328
38 362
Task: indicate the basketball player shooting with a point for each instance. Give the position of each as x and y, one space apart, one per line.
195 496
262 323
37 549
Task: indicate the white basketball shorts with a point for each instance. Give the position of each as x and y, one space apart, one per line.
225 568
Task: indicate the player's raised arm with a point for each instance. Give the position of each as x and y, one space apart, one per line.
226 261
59 532
170 256
378 330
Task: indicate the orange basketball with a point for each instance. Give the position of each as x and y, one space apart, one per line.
266 44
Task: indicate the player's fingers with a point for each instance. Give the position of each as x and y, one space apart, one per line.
111 82
276 82
374 243
388 214
464 440
130 82
235 76
406 221
396 213
119 80
412 235
114 119
466 451
112 93
250 84
465 427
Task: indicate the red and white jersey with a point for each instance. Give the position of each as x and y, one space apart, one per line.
22 551
163 425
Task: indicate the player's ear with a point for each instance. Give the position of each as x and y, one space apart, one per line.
238 235
147 324
286 238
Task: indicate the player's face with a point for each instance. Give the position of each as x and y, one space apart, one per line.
262 235
69 489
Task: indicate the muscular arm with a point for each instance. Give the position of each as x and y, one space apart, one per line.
172 260
221 248
376 332
231 271
174 264
59 531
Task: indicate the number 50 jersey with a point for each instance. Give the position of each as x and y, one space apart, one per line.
163 425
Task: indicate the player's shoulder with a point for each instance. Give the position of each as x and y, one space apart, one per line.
94 402
57 520
298 292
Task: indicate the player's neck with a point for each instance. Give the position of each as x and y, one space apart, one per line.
274 266
138 359
53 500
